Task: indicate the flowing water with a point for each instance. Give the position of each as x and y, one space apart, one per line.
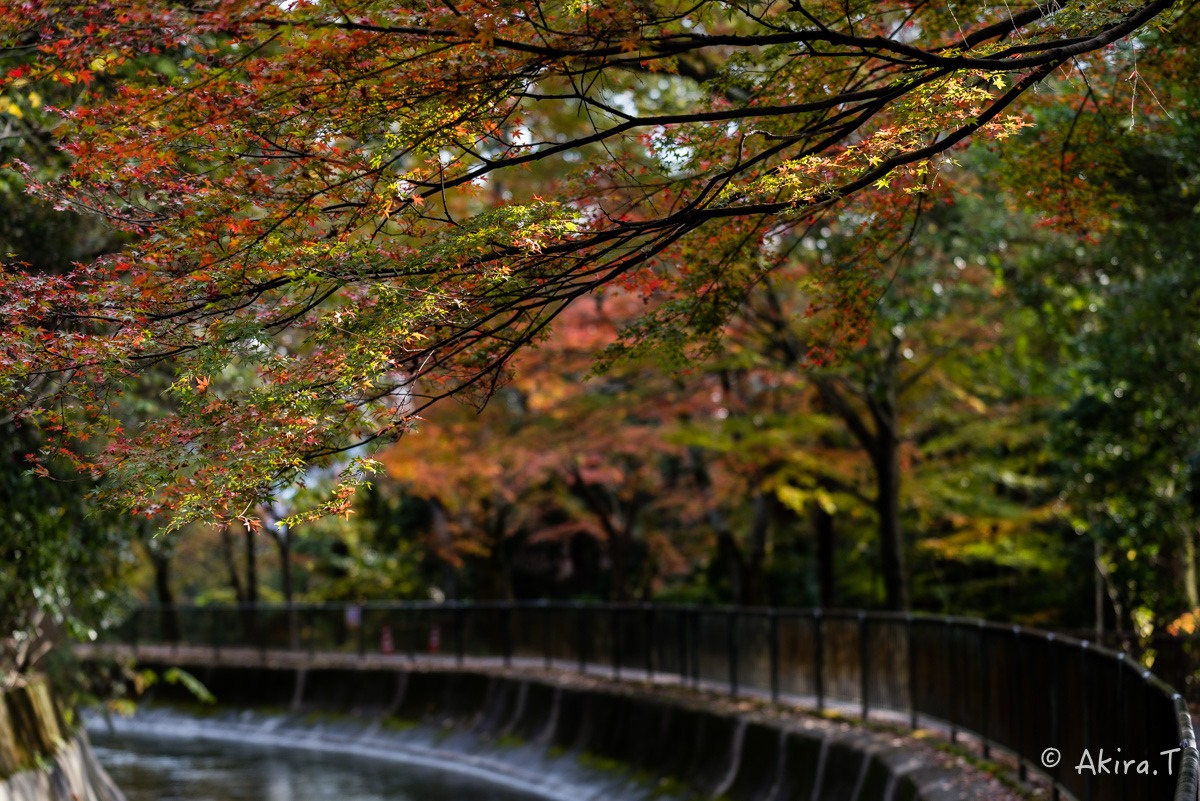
202 770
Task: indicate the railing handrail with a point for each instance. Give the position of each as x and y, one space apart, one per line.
1186 787
1073 637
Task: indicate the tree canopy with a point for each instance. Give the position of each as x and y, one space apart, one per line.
338 213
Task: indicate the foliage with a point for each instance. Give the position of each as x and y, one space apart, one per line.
61 565
342 212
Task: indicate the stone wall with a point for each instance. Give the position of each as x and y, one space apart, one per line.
40 760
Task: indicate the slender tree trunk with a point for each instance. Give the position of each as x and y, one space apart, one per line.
887 507
757 552
283 543
251 570
883 446
618 529
441 528
729 555
251 611
886 457
729 552
235 580
823 523
166 599
618 546
500 549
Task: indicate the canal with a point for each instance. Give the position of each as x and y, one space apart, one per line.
151 769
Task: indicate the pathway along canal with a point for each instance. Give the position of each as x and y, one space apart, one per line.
152 769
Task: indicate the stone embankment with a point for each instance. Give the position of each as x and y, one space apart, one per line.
40 759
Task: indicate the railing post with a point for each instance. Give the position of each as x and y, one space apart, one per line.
1147 691
648 626
864 664
460 634
260 630
773 647
1085 679
681 630
696 648
731 651
1019 702
952 652
361 634
583 637
293 622
819 658
910 644
215 622
506 619
1053 710
413 623
614 632
1122 717
312 633
987 691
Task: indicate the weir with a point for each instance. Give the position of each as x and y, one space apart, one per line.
565 740
1010 689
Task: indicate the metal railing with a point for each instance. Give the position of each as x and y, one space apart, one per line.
1018 690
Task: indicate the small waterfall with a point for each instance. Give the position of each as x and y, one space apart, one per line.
862 778
547 734
298 693
781 767
735 760
816 793
889 792
518 711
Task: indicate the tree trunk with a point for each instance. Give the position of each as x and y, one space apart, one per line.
883 446
251 570
729 554
757 552
166 599
235 580
823 523
887 506
445 541
283 544
501 549
251 612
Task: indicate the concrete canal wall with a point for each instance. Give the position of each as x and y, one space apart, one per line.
563 739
